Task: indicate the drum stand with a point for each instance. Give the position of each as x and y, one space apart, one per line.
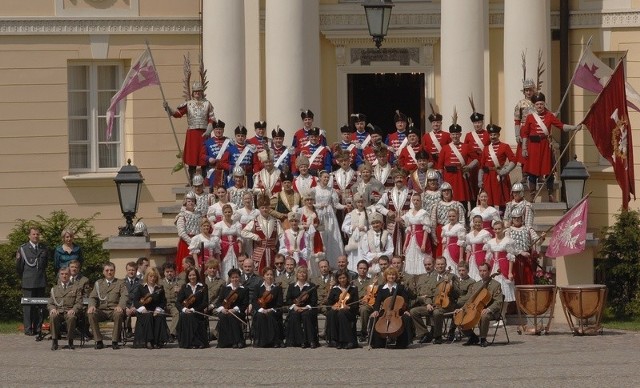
539 319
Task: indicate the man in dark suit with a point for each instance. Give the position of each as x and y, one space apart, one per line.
493 309
132 281
31 264
250 280
343 264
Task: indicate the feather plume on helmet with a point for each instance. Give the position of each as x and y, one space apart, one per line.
455 127
540 71
203 77
186 70
475 116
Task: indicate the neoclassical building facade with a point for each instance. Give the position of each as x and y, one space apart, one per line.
62 60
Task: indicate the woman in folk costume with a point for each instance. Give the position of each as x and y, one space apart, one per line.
474 242
227 234
214 213
518 203
369 187
431 195
287 200
526 243
355 225
440 214
417 244
239 188
267 180
188 225
489 214
312 226
204 246
265 231
500 254
295 243
304 182
326 204
203 199
453 236
394 204
247 214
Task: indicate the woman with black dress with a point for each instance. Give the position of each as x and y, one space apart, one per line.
341 316
386 291
192 300
151 321
267 320
302 320
231 306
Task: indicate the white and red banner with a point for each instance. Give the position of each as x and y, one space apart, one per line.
608 123
570 233
142 74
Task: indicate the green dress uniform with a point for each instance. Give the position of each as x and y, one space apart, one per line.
364 310
64 297
105 297
171 289
438 311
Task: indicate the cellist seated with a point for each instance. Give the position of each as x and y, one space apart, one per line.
492 308
443 289
381 334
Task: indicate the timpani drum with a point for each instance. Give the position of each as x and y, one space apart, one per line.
583 306
536 302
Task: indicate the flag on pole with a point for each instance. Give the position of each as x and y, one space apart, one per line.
608 123
142 74
592 74
570 233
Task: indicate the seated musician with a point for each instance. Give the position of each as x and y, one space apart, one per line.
302 319
171 286
390 288
192 300
65 303
492 309
231 307
367 287
267 319
342 315
150 303
107 302
433 302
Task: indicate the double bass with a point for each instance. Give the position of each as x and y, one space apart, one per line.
469 315
390 325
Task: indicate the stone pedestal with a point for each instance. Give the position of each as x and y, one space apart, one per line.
123 249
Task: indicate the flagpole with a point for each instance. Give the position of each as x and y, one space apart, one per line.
566 92
558 160
173 129
543 234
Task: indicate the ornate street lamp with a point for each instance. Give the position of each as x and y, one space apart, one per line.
574 175
378 13
128 182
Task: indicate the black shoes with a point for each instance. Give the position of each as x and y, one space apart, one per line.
473 340
484 343
71 346
351 345
426 339
332 344
314 345
54 345
99 345
115 346
437 341
305 345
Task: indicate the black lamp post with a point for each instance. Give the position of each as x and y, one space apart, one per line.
574 175
128 182
378 13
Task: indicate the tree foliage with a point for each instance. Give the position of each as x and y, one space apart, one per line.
620 264
51 227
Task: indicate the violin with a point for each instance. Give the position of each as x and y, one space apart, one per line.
265 299
145 300
190 300
301 300
372 290
469 315
390 325
231 298
343 300
442 291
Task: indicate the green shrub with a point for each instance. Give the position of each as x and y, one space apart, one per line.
52 227
620 264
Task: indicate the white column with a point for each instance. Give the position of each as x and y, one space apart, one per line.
292 61
463 42
253 64
224 58
527 28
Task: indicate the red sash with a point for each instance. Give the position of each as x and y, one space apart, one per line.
454 249
479 254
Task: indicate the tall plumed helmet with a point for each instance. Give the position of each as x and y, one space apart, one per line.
455 127
528 84
475 116
197 86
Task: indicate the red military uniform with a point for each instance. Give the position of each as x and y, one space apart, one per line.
395 139
497 187
406 161
321 162
451 168
430 146
539 161
301 138
476 144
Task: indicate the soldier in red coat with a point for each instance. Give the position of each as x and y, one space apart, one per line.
369 150
319 156
455 164
260 140
476 140
347 146
396 140
407 159
496 163
536 148
433 141
301 137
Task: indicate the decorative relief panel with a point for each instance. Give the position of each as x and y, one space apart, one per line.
404 56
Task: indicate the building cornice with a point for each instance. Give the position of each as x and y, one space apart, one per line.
108 26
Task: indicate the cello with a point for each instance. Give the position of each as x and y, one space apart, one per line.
469 315
390 325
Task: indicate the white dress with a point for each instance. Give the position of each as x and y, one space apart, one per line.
211 247
488 215
352 225
477 255
326 204
228 237
245 216
418 227
453 240
214 213
500 254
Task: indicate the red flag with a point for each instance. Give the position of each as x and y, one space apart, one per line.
570 233
143 73
608 123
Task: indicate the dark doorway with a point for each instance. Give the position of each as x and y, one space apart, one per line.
380 95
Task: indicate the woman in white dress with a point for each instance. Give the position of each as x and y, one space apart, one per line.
203 246
214 213
474 242
500 255
312 226
245 215
488 213
453 236
326 204
417 244
355 225
227 234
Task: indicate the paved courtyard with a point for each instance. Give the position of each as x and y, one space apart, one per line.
558 359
